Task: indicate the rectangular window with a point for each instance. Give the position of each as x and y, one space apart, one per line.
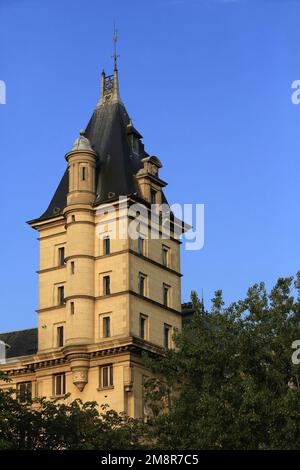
106 327
140 246
61 256
60 336
106 285
106 246
72 267
72 308
153 196
143 326
167 336
59 384
24 392
166 295
165 255
83 173
61 295
142 284
106 376
135 144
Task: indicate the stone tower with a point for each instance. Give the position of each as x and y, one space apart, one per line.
104 297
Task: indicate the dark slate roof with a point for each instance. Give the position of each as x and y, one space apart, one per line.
22 342
59 200
132 130
117 163
107 132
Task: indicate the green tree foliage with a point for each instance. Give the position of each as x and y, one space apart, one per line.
51 425
231 378
229 384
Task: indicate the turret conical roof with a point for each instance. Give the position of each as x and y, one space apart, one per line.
107 134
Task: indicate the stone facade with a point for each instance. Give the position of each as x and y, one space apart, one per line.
103 298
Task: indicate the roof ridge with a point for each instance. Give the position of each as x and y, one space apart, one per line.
17 331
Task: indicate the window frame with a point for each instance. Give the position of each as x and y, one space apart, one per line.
135 144
167 328
106 246
141 246
142 283
105 322
153 196
61 295
106 285
110 376
165 256
166 295
143 320
60 336
25 398
62 387
61 256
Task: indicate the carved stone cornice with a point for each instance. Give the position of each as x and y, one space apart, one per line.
72 353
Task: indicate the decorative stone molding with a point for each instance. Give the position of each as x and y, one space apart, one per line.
80 377
80 364
79 360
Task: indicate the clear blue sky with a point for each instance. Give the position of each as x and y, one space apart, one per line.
207 83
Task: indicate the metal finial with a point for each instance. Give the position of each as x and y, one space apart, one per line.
115 56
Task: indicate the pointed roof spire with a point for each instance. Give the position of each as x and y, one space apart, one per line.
110 83
116 95
115 56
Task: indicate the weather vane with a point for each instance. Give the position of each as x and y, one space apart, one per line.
115 56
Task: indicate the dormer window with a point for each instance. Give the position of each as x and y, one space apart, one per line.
153 196
134 138
149 181
135 144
